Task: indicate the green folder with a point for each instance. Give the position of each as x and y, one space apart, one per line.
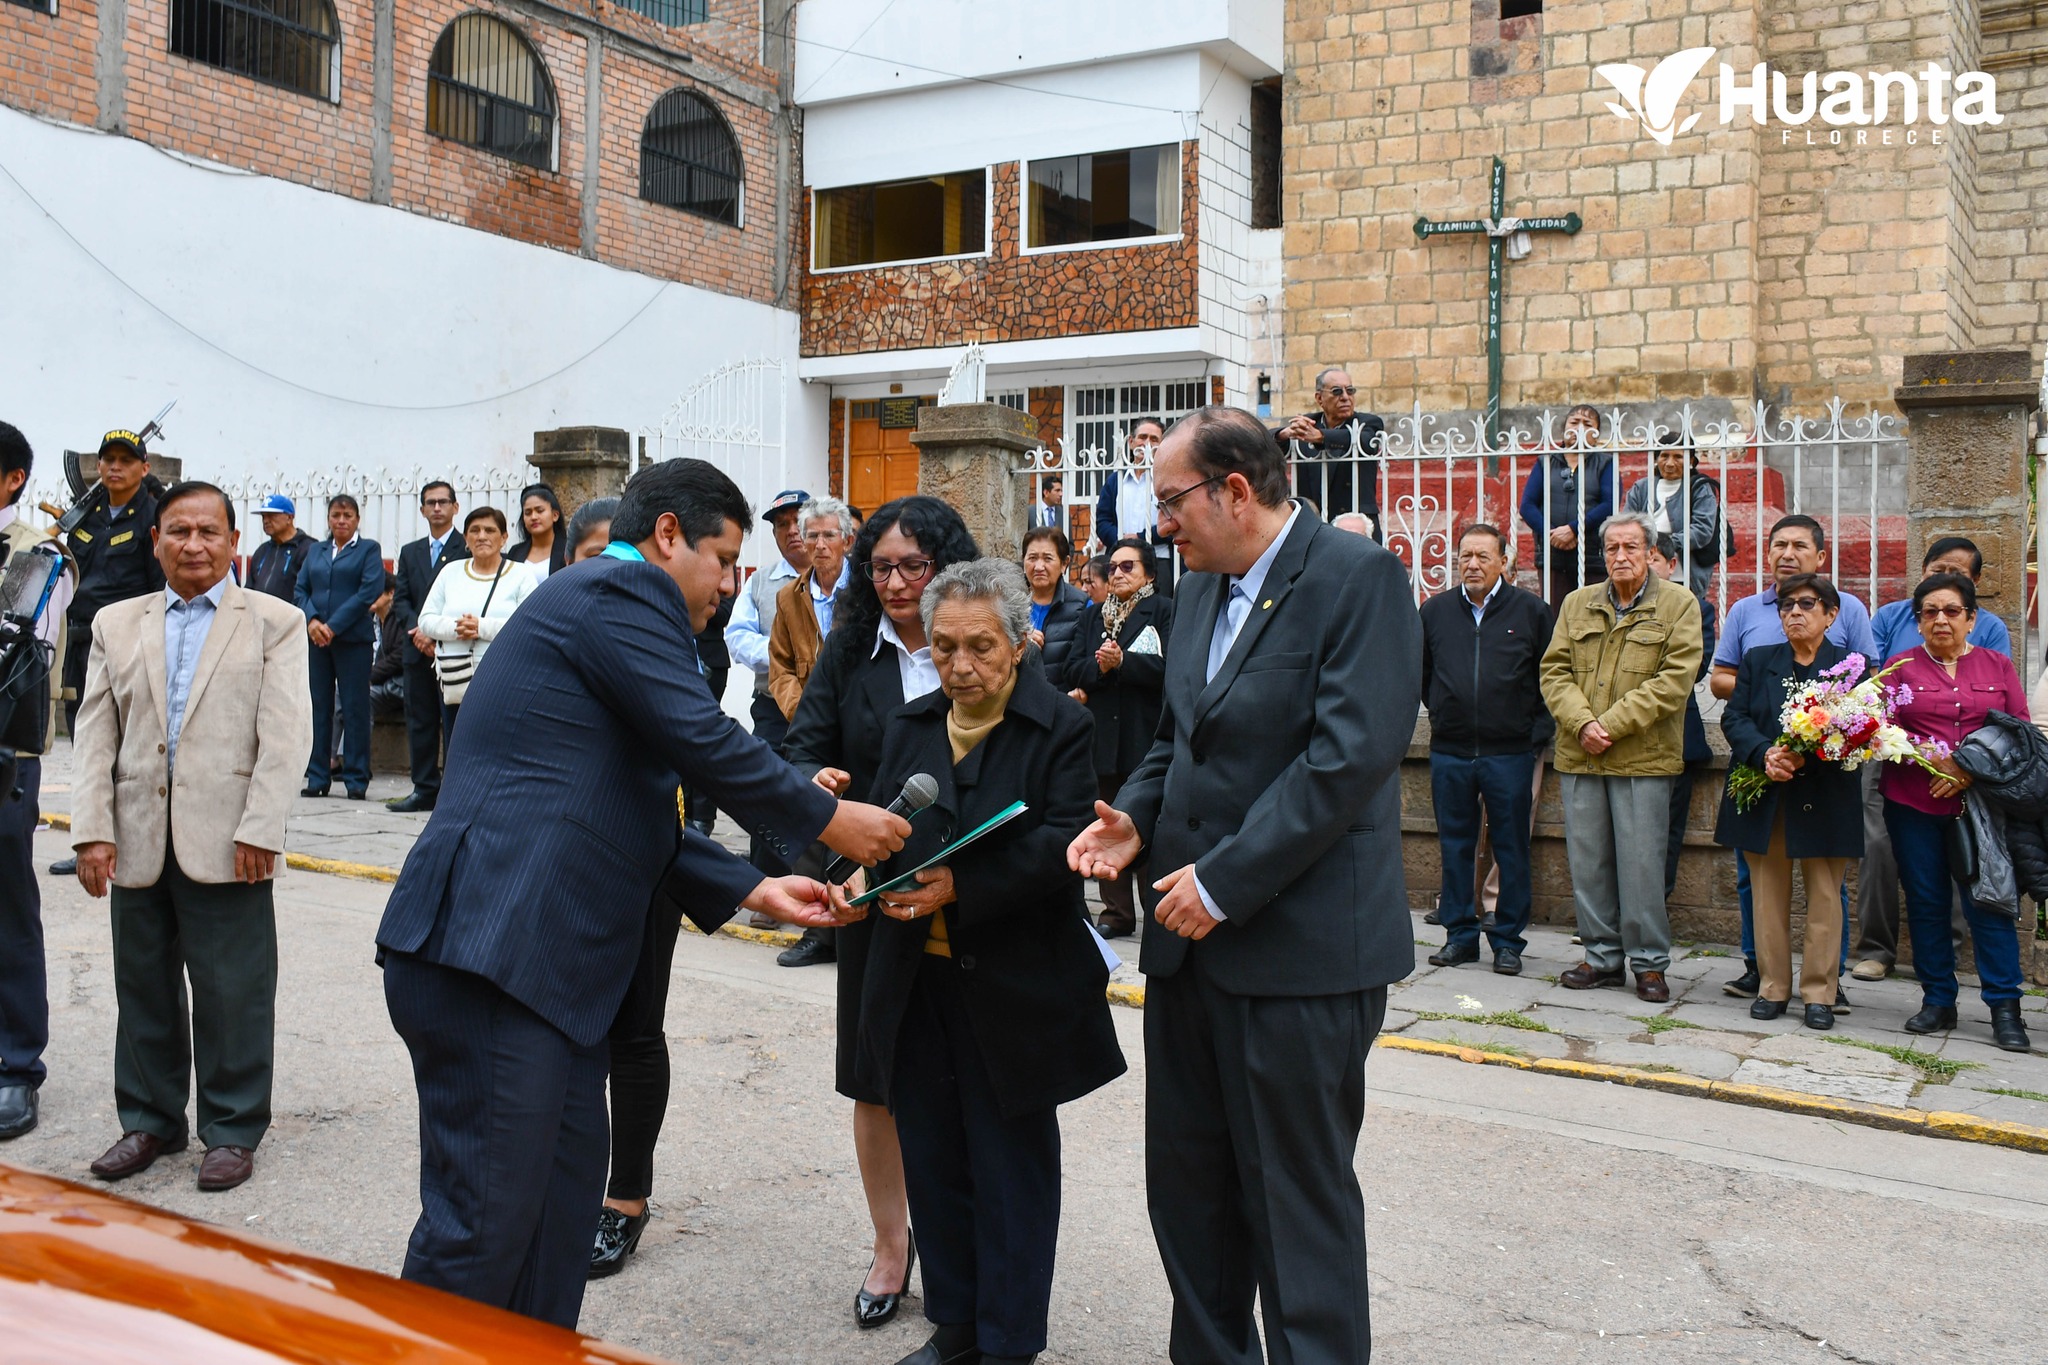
1001 817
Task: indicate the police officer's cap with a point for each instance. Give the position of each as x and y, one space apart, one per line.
124 439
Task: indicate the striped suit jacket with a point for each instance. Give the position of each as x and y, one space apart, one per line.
556 825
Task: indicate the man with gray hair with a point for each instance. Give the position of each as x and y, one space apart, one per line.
796 635
1335 450
1616 677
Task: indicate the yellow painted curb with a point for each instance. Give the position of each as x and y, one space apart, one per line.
1122 993
1963 1127
333 867
774 938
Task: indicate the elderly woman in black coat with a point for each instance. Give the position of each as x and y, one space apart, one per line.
1117 667
983 1006
1812 811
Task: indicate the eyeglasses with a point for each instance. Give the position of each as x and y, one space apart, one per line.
437 502
1171 506
1342 390
1799 604
1117 566
913 570
1952 613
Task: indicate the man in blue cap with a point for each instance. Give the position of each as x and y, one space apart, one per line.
274 565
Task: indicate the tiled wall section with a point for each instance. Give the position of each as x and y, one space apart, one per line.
1006 295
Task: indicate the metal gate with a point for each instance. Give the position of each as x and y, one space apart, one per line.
736 417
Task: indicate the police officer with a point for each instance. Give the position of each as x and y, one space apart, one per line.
24 1000
115 560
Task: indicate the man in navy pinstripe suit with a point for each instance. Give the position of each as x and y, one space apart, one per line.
513 930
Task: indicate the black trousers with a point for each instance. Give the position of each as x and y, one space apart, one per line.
639 1062
222 938
77 654
771 728
24 987
984 1186
1119 897
343 669
423 728
1253 1106
512 1143
697 803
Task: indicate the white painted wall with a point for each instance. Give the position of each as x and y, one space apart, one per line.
851 49
300 330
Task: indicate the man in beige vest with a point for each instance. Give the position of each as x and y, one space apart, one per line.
24 998
191 736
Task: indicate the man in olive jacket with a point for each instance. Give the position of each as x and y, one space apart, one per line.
1616 676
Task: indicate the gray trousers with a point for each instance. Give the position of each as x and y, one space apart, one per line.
1877 886
1615 830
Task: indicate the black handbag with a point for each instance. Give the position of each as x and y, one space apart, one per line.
1960 841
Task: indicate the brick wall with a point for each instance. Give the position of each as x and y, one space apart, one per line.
1007 295
2012 205
48 65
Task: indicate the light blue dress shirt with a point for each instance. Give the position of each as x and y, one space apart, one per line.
823 605
1753 621
186 626
1244 590
1478 609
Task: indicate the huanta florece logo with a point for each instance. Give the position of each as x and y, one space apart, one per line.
1837 98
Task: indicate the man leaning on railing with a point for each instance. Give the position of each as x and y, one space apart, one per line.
1345 476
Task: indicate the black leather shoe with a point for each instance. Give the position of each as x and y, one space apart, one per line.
358 793
703 827
950 1344
2006 1029
1841 999
1932 1019
872 1310
18 1108
808 951
64 867
1820 1017
1448 956
1429 917
1508 962
1745 985
618 1236
1009 1360
1761 1008
314 791
407 805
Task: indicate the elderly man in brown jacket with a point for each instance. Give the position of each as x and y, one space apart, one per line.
803 607
193 728
1620 665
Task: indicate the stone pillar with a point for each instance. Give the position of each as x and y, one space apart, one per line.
1968 421
1967 425
968 456
169 468
582 463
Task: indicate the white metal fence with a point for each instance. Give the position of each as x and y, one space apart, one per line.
1430 477
736 418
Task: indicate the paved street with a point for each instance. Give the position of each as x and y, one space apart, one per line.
1513 1216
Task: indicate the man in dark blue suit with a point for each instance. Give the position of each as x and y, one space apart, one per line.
338 581
515 925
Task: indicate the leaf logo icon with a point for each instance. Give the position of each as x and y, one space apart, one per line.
1653 102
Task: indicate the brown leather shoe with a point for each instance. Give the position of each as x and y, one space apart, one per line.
223 1168
1586 976
1650 986
135 1153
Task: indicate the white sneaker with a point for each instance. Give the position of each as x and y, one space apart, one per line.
1870 969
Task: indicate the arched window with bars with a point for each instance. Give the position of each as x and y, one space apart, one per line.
291 43
689 158
487 88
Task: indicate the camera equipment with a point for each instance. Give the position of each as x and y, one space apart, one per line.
26 581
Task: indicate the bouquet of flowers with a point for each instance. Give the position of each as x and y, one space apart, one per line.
1842 717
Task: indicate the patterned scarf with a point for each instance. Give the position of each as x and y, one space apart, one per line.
1117 610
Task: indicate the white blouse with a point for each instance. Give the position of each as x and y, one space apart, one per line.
459 590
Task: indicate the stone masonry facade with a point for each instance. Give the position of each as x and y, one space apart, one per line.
1736 264
1008 295
107 63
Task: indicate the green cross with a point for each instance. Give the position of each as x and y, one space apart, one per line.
1498 229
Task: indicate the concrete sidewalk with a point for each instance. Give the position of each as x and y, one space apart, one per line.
1867 1058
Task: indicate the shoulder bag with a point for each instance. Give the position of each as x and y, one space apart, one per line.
456 670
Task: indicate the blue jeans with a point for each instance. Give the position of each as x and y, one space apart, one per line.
1919 844
1749 911
1458 786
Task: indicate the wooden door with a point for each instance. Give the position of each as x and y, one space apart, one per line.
881 463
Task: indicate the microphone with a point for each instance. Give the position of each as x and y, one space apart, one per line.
920 791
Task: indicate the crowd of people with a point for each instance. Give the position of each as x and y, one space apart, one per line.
1223 789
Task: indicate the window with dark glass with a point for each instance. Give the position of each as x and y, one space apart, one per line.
901 220
689 158
1105 196
279 42
674 13
39 6
486 87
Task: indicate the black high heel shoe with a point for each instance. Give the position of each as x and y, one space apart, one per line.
618 1236
872 1310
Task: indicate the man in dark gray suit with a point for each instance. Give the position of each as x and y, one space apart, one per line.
1269 817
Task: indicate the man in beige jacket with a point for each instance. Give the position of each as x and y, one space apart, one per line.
193 728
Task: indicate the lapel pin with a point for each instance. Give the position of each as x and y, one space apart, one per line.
1266 605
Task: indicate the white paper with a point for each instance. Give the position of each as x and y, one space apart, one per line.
1109 957
1146 643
